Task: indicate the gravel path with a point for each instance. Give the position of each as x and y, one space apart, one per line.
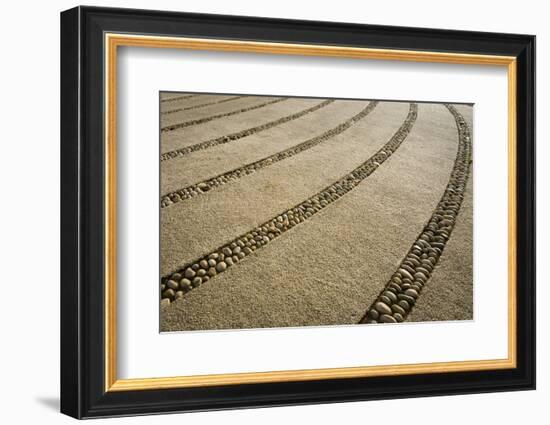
213 183
181 172
222 127
413 273
174 121
319 273
190 229
202 105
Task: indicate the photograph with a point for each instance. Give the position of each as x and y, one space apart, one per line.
311 210
280 211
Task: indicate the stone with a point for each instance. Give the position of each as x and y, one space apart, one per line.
405 273
396 308
373 314
212 272
172 284
391 296
165 302
197 282
382 308
221 266
169 293
411 293
189 273
404 305
407 298
203 264
386 318
385 300
212 262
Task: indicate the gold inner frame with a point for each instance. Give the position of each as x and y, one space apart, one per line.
113 41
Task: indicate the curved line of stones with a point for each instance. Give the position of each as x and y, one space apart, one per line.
195 273
399 296
240 134
235 174
173 99
224 115
202 105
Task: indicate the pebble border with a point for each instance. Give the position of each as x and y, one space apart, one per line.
396 300
173 99
202 105
235 174
184 124
240 134
175 285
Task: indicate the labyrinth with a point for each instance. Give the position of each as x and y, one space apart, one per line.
287 212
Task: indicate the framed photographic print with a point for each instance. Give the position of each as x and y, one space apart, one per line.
261 212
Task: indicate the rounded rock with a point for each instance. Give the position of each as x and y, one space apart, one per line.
189 273
172 284
396 308
169 293
386 318
407 298
404 305
411 293
385 300
399 317
391 296
221 266
212 272
382 308
197 282
176 276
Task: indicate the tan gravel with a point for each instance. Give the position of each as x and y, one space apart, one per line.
220 127
191 228
182 171
329 269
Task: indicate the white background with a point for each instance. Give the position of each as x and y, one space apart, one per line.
139 343
29 170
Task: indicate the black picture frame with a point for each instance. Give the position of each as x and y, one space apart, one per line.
83 392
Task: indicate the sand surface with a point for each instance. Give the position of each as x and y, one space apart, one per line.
330 268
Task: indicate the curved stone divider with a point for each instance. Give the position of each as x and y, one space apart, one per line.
202 105
241 134
193 274
235 174
399 296
197 121
173 99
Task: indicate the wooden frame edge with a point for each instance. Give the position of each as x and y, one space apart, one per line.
113 40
